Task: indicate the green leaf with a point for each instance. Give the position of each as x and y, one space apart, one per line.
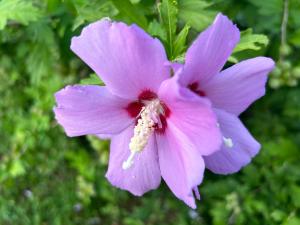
278 215
268 15
294 10
292 221
156 29
233 59
268 7
93 10
81 161
196 13
16 168
135 1
180 41
43 51
85 189
250 41
132 12
92 79
20 11
295 38
295 195
168 14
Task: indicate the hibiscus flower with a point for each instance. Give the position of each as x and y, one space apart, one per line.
230 91
157 128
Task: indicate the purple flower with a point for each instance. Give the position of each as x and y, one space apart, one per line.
157 128
230 91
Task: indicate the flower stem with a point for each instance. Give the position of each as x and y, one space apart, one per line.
284 27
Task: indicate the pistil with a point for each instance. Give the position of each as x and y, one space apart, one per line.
149 117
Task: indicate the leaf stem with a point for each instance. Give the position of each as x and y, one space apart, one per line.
284 27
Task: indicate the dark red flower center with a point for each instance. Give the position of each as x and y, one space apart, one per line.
134 109
194 87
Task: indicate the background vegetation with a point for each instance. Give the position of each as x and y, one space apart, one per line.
47 178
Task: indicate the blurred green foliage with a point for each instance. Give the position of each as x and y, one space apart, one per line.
47 178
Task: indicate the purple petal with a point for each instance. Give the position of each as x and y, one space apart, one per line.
90 109
235 88
192 115
245 147
181 163
126 58
143 175
210 51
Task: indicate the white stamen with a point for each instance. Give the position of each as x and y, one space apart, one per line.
143 130
228 142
